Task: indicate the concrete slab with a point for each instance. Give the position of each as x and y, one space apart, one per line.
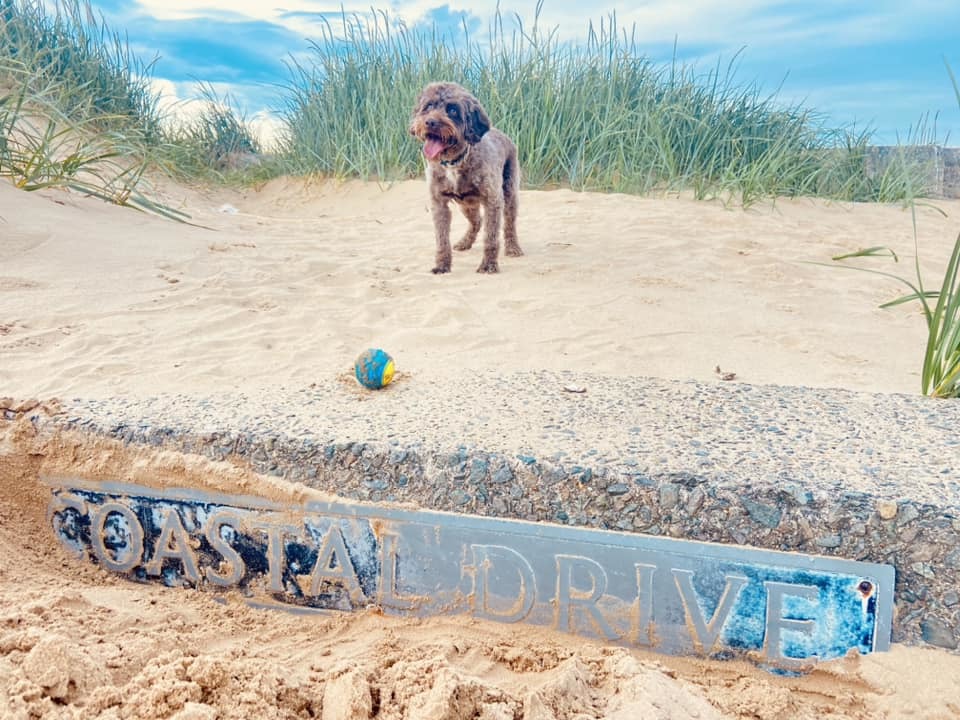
849 475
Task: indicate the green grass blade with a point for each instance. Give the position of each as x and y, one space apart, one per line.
943 345
875 251
930 294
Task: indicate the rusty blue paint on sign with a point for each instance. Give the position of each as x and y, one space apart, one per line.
783 610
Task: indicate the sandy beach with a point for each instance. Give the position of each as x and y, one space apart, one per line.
279 288
295 283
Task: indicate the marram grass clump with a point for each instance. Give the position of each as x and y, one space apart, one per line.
940 371
593 116
62 52
77 111
216 144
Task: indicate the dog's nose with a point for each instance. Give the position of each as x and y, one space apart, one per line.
432 124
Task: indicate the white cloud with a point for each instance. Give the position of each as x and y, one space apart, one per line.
268 129
180 103
253 9
757 23
727 24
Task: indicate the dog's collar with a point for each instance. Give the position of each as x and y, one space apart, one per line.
457 160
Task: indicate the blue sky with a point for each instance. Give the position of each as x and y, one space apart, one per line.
879 64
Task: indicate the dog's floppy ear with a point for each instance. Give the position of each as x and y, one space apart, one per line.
476 122
417 109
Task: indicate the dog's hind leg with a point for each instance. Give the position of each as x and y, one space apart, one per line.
471 211
511 201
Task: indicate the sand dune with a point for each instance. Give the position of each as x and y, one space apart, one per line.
96 298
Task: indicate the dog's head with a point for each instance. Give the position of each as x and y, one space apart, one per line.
446 119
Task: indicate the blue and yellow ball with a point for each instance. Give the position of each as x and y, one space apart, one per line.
374 369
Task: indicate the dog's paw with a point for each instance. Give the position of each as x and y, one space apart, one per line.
513 250
463 245
441 269
489 267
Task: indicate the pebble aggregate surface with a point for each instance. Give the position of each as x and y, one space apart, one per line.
830 472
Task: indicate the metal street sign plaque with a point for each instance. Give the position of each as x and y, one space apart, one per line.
783 610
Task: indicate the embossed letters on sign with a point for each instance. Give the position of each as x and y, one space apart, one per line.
673 596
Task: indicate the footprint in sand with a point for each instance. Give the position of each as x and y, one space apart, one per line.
16 283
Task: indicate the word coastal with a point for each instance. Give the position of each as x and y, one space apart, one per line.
673 596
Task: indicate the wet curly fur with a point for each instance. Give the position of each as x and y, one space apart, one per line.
471 163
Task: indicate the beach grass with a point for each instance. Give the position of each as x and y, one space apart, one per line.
593 116
940 371
216 143
78 111
597 115
63 53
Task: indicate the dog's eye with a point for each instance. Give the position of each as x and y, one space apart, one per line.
453 111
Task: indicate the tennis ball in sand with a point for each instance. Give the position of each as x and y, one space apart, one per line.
374 369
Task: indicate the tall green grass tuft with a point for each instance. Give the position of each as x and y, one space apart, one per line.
216 144
596 116
60 50
76 107
65 77
940 373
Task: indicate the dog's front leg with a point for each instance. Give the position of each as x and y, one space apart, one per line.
441 224
491 239
471 211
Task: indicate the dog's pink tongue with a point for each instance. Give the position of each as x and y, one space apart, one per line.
432 148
